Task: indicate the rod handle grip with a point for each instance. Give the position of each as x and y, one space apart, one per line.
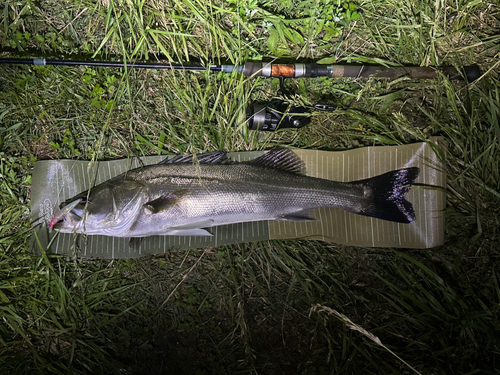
470 73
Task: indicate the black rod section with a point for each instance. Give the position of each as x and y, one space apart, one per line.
108 64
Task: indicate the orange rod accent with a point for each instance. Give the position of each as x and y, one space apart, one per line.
282 70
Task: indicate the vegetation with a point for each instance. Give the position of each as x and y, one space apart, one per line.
277 307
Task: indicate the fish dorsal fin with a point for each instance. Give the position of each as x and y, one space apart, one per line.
217 157
280 158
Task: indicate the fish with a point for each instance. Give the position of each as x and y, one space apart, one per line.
188 195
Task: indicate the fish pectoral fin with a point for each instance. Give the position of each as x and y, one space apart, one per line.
165 202
299 216
188 232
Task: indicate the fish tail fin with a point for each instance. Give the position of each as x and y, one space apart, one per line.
387 198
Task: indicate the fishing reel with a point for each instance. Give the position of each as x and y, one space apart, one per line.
276 114
279 114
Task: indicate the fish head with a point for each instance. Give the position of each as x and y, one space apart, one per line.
108 209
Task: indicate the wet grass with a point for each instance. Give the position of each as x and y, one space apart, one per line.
279 307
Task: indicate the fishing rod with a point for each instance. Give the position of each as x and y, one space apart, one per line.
278 114
264 69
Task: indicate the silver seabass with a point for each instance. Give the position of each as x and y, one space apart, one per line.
182 197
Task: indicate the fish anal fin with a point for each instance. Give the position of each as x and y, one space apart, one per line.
165 202
188 232
299 216
280 158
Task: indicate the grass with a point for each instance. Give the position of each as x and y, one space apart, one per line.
270 307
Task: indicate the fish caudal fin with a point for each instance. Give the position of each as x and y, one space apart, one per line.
387 198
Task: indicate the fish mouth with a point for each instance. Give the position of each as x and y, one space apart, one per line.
68 217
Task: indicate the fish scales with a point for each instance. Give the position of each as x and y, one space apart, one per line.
185 198
246 189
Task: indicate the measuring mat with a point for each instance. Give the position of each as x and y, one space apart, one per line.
58 180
